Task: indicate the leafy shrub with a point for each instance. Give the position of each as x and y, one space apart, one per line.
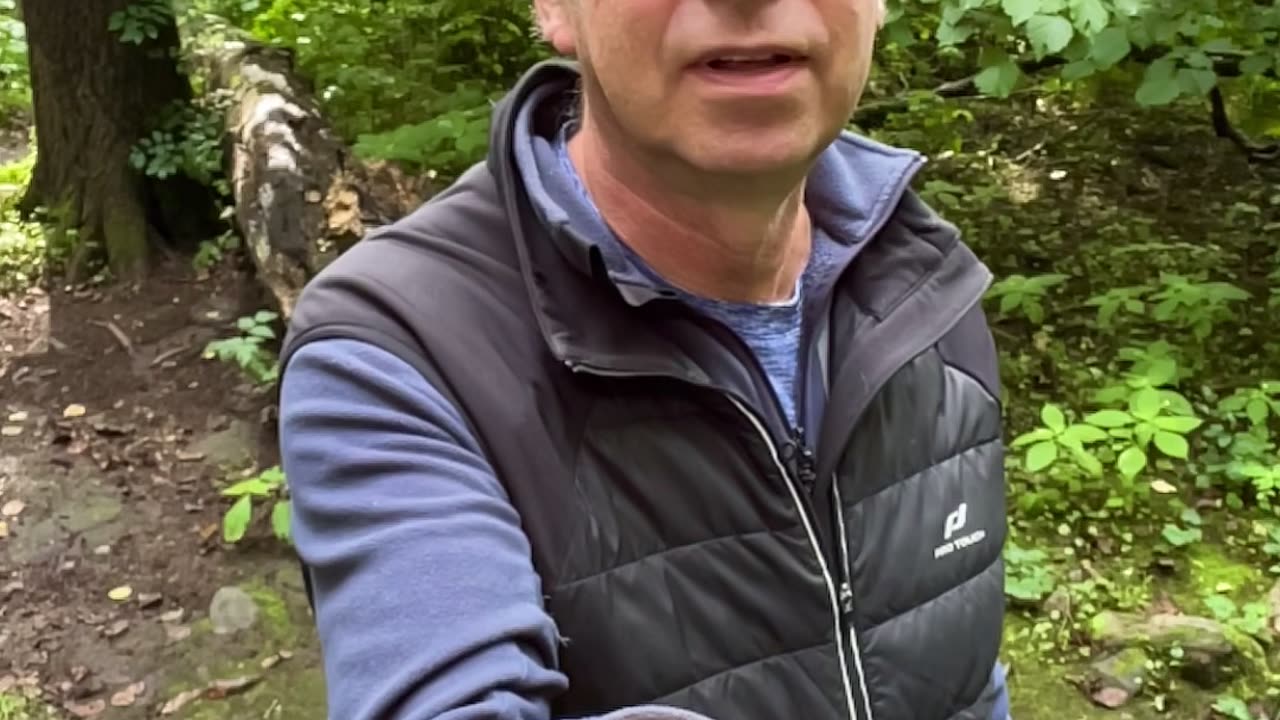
15 82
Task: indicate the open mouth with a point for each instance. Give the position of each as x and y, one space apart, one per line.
746 63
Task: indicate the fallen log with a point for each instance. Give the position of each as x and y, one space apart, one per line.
301 196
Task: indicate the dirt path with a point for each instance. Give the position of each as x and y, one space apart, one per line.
116 437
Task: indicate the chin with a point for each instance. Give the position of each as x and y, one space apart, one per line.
755 156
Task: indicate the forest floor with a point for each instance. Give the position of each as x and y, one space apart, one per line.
118 436
119 599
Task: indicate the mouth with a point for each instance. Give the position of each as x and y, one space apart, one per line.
750 61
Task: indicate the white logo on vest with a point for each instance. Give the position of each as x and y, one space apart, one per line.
955 522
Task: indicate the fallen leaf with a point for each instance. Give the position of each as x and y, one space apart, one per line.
102 550
7 682
177 633
74 410
86 710
120 594
129 695
147 600
11 430
1111 697
17 417
1163 487
79 673
12 508
270 661
4 529
285 654
172 616
219 689
189 456
177 702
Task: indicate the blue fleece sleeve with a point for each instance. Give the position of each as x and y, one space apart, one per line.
427 603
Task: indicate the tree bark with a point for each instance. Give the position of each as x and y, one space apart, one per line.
301 196
93 97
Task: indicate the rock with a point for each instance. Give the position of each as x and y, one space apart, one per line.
232 610
1125 671
1211 652
234 446
1059 601
1111 697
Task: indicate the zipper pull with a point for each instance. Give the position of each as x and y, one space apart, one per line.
804 463
846 601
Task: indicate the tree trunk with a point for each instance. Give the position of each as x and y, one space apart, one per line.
94 96
302 198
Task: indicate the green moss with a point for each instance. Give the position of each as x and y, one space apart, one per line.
1130 663
275 617
16 707
1211 568
289 690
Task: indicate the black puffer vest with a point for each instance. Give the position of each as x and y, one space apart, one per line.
692 551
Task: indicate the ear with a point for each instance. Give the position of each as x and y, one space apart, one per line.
555 22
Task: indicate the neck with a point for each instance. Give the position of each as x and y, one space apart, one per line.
746 242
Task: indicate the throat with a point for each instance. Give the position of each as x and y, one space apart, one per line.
746 253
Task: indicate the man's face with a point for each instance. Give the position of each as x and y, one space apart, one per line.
724 86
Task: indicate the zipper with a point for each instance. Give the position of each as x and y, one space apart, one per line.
846 596
839 598
832 592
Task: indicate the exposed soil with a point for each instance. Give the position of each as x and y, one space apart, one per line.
117 437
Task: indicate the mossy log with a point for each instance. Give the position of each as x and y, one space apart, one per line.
301 196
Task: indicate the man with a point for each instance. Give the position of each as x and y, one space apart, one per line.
679 403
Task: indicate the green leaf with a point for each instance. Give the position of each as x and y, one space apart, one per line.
280 517
1131 462
1053 418
1256 64
236 522
1145 404
1191 517
262 331
1197 81
1171 444
999 80
1222 607
1088 462
1159 84
1257 410
1177 423
1091 15
1109 419
1034 436
1020 11
1178 537
1080 70
1041 455
1110 46
1049 34
1081 433
251 486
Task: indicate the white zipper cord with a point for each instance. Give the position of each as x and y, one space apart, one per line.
822 562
